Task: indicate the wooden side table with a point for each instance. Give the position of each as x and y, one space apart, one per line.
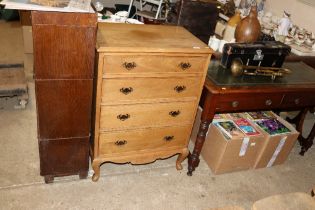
224 93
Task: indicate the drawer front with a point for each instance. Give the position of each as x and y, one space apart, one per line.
152 63
298 99
239 102
114 90
143 139
119 117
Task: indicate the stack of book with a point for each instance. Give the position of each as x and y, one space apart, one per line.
237 124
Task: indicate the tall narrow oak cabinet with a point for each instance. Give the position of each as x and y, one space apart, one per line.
64 55
149 83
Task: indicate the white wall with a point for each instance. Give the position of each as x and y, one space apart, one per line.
301 14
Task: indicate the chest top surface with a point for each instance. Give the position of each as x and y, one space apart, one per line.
113 37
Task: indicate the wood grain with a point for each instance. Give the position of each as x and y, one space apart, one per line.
130 89
64 69
146 115
147 93
63 108
150 63
147 38
143 139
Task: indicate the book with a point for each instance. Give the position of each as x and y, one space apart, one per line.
235 116
229 129
272 126
220 117
260 115
246 127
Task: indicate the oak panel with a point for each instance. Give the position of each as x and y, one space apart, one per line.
63 108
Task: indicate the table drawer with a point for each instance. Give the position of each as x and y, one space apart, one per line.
143 139
119 117
298 99
123 89
152 63
245 102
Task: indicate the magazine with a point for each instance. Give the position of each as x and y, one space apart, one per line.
260 115
272 126
229 129
246 127
220 117
235 116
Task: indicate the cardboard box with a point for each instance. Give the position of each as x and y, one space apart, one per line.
27 39
223 155
29 66
276 148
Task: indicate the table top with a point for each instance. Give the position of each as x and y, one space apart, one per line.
301 74
113 37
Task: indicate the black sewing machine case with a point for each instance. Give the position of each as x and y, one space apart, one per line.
267 53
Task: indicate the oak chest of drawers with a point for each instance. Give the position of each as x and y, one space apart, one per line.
148 87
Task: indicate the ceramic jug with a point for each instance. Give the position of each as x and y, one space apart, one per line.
248 30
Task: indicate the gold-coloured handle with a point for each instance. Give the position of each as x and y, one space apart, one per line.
179 89
120 142
235 104
123 117
184 66
168 138
268 102
174 113
297 101
126 90
129 65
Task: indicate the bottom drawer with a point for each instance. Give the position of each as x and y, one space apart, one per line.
143 139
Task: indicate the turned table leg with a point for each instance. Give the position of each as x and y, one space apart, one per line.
298 120
307 142
193 159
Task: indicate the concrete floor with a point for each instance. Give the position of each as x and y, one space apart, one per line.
153 186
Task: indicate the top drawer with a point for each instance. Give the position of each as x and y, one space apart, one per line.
153 63
243 102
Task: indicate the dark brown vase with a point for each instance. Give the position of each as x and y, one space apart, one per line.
248 30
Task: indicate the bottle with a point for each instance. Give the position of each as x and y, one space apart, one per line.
248 30
231 26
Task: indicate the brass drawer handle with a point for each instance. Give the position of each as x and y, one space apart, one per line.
168 138
174 113
129 65
123 117
297 101
120 142
184 66
126 90
268 102
179 89
235 104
